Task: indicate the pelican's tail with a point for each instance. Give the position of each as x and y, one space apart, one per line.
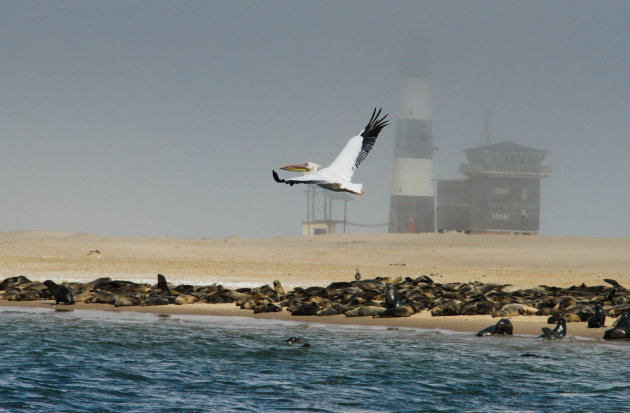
353 188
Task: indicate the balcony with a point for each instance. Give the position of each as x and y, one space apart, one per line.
516 170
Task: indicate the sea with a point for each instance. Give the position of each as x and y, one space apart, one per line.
99 361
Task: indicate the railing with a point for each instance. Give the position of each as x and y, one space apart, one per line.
468 169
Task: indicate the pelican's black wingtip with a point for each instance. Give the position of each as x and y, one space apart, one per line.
375 124
276 177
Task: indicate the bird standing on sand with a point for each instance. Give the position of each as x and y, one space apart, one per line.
337 176
357 274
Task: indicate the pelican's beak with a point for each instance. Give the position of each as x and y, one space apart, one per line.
297 168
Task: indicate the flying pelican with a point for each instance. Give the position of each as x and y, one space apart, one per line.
337 176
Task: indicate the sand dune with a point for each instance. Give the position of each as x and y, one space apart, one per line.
523 261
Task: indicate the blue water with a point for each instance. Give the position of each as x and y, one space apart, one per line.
115 362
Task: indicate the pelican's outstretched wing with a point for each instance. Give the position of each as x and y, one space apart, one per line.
305 179
358 147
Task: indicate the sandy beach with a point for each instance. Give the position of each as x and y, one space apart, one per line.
523 261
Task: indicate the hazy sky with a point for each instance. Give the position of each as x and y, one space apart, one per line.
166 118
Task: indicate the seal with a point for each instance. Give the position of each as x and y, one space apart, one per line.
599 318
357 274
535 355
557 333
503 327
392 299
61 293
614 283
621 330
296 340
162 285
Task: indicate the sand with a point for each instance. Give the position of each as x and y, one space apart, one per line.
523 261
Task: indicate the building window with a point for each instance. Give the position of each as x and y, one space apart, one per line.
501 190
500 216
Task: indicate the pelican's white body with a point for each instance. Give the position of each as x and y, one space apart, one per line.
338 175
340 171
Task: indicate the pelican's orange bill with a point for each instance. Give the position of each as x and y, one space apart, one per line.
296 168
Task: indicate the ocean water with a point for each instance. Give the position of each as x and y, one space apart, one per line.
129 362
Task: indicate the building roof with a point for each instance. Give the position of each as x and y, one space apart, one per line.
507 146
505 158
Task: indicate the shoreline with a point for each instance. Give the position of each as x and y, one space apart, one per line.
520 261
523 325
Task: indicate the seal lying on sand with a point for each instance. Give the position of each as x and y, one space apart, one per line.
599 318
557 333
503 327
621 330
61 293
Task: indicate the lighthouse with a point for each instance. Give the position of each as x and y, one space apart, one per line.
412 198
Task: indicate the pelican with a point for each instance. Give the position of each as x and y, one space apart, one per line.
337 176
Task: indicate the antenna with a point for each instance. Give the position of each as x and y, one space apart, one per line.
486 138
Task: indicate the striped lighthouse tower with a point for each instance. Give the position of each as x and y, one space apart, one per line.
412 201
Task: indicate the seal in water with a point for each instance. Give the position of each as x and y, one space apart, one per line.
557 333
295 340
503 327
61 293
357 275
535 355
621 330
392 299
599 318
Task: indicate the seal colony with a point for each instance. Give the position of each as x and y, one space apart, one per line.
379 297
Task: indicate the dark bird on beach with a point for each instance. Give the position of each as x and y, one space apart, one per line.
357 275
